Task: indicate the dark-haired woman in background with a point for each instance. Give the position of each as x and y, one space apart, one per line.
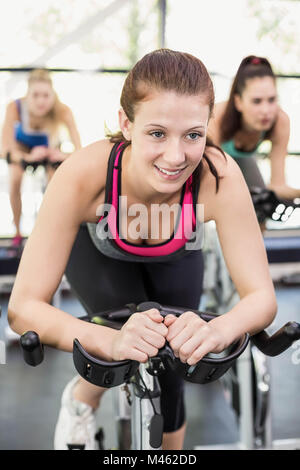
250 116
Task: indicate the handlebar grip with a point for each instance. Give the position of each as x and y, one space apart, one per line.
279 341
208 369
100 372
268 205
33 350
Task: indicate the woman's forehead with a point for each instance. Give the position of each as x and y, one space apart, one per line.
169 104
40 85
260 86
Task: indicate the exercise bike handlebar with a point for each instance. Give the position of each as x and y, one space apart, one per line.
279 341
110 374
35 163
268 205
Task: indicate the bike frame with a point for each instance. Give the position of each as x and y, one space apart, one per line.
147 422
134 411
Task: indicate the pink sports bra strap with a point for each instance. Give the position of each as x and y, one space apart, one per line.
185 227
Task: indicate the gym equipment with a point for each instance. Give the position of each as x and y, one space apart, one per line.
142 390
248 382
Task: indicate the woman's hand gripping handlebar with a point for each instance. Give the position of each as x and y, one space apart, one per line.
110 374
268 206
34 163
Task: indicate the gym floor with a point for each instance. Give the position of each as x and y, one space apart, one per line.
30 397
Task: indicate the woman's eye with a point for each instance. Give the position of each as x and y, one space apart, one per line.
194 136
157 134
256 101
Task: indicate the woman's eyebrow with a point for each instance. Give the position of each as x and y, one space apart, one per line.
202 126
155 125
261 97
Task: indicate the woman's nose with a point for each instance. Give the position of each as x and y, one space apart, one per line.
174 155
265 108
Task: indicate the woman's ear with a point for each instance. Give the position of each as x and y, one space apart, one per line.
125 124
237 102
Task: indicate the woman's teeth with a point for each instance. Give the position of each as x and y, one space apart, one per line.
167 172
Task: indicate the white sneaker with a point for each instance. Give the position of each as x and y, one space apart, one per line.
76 425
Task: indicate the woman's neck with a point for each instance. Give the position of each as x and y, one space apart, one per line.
248 130
131 186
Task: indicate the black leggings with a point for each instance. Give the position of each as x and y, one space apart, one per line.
102 283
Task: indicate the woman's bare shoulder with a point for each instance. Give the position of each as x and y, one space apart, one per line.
80 180
283 116
228 174
281 128
283 119
218 158
87 167
90 159
65 111
12 109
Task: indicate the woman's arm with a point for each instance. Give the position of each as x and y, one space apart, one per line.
245 256
280 138
68 201
67 118
8 142
72 197
70 123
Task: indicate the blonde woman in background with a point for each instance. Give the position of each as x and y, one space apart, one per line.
30 136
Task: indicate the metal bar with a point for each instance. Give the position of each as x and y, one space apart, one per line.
162 14
29 68
279 75
290 152
246 401
142 413
61 69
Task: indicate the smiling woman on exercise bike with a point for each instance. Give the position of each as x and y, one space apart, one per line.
161 157
30 135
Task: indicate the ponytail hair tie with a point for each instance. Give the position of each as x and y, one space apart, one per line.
255 61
